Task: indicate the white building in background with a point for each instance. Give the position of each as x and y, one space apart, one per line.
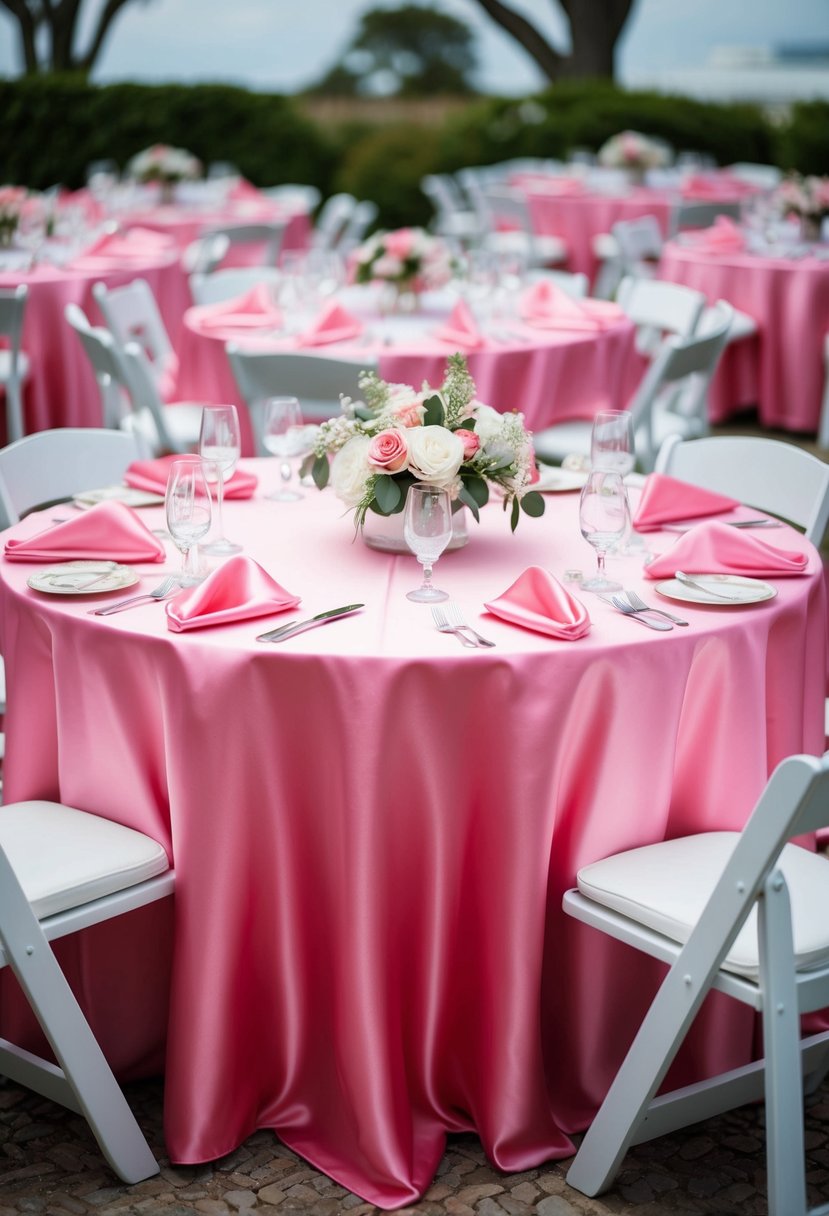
773 76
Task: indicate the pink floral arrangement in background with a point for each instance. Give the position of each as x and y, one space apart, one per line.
161 163
805 197
12 201
632 150
410 258
399 435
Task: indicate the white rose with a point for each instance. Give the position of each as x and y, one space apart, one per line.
488 423
387 267
350 470
435 454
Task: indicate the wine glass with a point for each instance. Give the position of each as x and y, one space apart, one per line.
187 504
219 447
427 530
612 444
285 435
603 518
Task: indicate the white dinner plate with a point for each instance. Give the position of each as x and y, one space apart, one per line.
125 494
553 480
83 578
739 590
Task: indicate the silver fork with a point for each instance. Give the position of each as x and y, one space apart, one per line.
623 606
439 617
158 593
455 617
638 604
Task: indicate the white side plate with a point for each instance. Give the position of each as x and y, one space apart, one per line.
557 481
739 590
125 494
83 578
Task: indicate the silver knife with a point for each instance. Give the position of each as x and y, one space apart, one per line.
687 525
289 631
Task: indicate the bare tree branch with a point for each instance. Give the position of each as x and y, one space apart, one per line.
26 29
547 58
108 14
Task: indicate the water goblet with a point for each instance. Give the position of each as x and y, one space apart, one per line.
285 435
613 446
427 530
603 518
187 505
219 447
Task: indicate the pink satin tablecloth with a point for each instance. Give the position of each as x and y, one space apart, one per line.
783 374
61 388
372 828
549 375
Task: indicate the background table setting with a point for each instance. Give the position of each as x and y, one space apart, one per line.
372 824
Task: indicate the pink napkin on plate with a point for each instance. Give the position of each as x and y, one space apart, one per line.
715 186
138 243
237 590
110 531
460 328
546 306
333 324
151 475
667 499
715 548
537 600
724 236
253 310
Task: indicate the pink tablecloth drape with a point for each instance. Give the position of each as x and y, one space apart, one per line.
789 299
61 388
372 829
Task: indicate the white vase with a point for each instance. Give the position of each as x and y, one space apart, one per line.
385 532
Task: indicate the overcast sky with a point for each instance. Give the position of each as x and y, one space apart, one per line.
282 45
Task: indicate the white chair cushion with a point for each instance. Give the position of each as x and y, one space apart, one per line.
665 887
555 442
64 857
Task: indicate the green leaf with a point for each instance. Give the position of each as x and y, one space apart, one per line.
468 424
533 504
516 511
363 413
434 415
468 501
476 488
387 495
319 471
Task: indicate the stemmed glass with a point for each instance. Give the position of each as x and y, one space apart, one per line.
219 447
613 446
427 530
187 504
603 518
285 435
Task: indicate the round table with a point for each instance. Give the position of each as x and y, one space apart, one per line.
789 299
372 828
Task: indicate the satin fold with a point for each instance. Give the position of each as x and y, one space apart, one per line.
109 530
715 548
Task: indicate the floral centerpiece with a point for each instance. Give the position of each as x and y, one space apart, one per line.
165 165
12 199
806 198
398 435
632 150
410 259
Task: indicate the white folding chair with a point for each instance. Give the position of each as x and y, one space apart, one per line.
205 254
269 235
639 243
356 226
62 870
331 220
671 398
131 314
576 285
765 177
746 914
14 363
452 218
316 380
771 476
507 206
51 466
229 283
294 196
657 307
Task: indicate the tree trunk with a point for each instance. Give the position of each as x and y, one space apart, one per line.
25 32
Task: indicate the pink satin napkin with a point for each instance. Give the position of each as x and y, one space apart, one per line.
720 186
537 600
109 531
546 306
151 475
140 243
460 328
723 236
715 548
665 500
333 324
253 310
237 590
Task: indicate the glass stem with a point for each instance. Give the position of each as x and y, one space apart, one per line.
285 471
220 493
427 575
186 563
600 556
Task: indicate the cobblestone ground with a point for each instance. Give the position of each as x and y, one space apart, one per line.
49 1163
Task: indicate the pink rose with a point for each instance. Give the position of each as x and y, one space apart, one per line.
470 442
410 414
389 452
400 244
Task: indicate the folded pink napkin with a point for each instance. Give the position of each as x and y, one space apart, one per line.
715 548
537 600
334 324
547 306
136 243
253 310
151 475
666 499
460 328
724 236
236 591
714 185
110 530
